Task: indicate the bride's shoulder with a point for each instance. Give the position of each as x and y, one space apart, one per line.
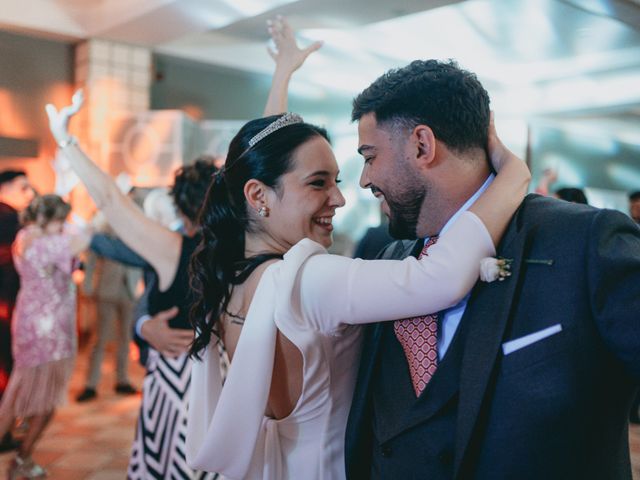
298 255
305 246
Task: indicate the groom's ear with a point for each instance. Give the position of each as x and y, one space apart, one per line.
425 145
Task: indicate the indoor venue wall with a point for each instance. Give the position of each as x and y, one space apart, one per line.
34 71
220 93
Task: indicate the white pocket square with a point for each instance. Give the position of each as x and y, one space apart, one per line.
514 345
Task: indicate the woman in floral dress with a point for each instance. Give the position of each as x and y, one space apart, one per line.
44 325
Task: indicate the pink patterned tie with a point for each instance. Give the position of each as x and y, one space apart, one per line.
419 339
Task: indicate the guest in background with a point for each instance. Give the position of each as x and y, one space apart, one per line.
568 194
158 448
634 206
15 195
44 325
374 240
549 177
111 247
634 213
113 287
159 206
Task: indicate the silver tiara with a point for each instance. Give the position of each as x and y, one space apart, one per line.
285 120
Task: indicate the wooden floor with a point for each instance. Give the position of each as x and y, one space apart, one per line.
91 441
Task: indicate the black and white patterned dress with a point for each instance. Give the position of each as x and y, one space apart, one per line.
159 446
158 450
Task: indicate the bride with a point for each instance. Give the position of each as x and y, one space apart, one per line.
282 315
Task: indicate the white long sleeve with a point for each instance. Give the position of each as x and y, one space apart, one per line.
336 290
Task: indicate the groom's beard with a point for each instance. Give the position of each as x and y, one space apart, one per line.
404 212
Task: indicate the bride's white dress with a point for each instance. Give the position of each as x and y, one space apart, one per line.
316 300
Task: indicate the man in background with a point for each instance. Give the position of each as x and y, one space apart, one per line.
634 213
634 206
15 195
113 285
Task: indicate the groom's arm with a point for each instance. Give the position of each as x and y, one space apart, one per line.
613 266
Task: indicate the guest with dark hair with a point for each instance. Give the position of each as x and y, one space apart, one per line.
44 325
374 240
190 186
158 447
15 195
15 189
570 194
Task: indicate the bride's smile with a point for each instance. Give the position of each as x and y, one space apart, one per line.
304 203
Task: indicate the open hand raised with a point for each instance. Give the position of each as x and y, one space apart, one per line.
59 120
499 154
287 55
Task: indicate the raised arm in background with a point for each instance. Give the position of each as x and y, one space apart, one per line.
288 57
126 219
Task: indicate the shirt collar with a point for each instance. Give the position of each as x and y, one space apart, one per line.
467 204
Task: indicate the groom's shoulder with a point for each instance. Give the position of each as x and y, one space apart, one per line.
541 213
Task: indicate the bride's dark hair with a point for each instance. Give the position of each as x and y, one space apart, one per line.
219 262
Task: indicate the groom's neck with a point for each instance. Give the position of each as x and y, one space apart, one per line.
449 192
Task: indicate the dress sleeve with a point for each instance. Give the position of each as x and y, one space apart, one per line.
337 290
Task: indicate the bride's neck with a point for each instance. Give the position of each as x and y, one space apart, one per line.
260 243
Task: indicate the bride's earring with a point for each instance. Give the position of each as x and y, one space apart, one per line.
263 211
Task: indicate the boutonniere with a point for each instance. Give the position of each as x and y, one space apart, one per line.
492 268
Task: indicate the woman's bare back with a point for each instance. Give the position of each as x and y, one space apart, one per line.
286 382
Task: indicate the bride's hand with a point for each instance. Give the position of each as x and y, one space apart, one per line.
287 55
499 154
59 120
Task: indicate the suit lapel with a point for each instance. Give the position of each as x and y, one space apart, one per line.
487 315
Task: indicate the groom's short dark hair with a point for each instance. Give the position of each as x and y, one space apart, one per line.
439 94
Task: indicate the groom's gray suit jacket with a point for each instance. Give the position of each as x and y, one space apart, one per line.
551 405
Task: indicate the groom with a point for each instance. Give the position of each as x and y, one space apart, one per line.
531 377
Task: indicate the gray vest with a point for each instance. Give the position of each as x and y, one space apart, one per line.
402 421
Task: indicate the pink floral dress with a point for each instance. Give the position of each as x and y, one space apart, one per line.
44 336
